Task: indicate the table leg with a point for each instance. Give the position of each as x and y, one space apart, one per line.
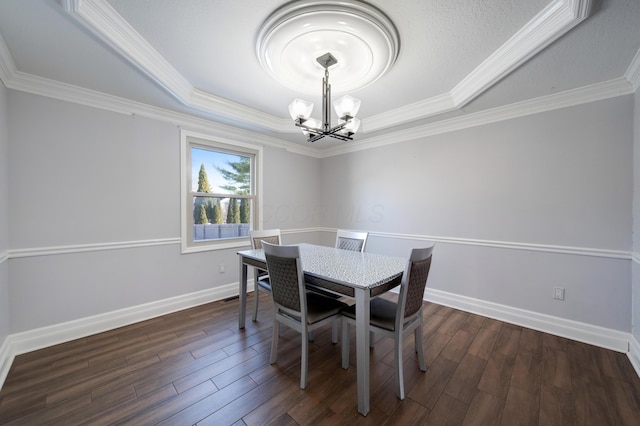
362 348
242 290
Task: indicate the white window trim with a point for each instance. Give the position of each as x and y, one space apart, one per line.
185 196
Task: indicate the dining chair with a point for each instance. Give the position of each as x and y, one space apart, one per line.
397 319
261 277
293 306
351 240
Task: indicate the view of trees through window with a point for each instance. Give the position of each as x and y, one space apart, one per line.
222 199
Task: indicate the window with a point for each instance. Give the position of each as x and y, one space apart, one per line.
220 192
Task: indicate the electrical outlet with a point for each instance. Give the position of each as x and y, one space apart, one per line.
558 293
222 268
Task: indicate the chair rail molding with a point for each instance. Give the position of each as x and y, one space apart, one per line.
507 245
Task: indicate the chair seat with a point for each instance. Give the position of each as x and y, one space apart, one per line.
382 311
264 284
320 307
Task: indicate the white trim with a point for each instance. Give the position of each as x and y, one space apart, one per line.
4 255
506 245
17 80
581 251
6 359
103 21
31 340
100 18
591 334
548 25
27 83
555 20
7 66
83 248
635 256
306 230
582 95
634 354
632 75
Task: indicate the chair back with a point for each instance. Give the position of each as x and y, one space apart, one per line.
413 284
351 240
286 277
271 236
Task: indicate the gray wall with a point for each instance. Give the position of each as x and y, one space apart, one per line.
83 176
4 217
636 220
560 178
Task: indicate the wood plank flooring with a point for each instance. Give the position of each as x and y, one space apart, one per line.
196 367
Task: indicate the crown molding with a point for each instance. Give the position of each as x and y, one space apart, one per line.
7 66
209 103
582 95
28 83
551 23
201 100
20 81
559 17
418 110
632 75
103 21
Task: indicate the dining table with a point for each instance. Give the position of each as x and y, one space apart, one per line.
357 275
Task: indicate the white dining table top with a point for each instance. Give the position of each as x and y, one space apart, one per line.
351 268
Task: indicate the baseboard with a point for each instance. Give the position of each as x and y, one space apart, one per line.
574 330
6 359
19 343
634 354
27 341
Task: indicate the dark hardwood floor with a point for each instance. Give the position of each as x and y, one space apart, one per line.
196 367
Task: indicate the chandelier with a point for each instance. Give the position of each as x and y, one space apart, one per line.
346 108
362 36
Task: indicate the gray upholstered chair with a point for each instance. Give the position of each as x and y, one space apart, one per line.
351 240
397 319
292 305
261 277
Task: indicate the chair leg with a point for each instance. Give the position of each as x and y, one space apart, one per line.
256 296
345 343
334 330
304 368
417 335
274 340
397 355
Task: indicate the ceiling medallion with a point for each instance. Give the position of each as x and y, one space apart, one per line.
362 38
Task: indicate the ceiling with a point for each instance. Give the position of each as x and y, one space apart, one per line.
460 61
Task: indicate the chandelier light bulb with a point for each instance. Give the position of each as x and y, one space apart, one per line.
300 109
352 126
347 105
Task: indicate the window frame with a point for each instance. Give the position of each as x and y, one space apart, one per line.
190 139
